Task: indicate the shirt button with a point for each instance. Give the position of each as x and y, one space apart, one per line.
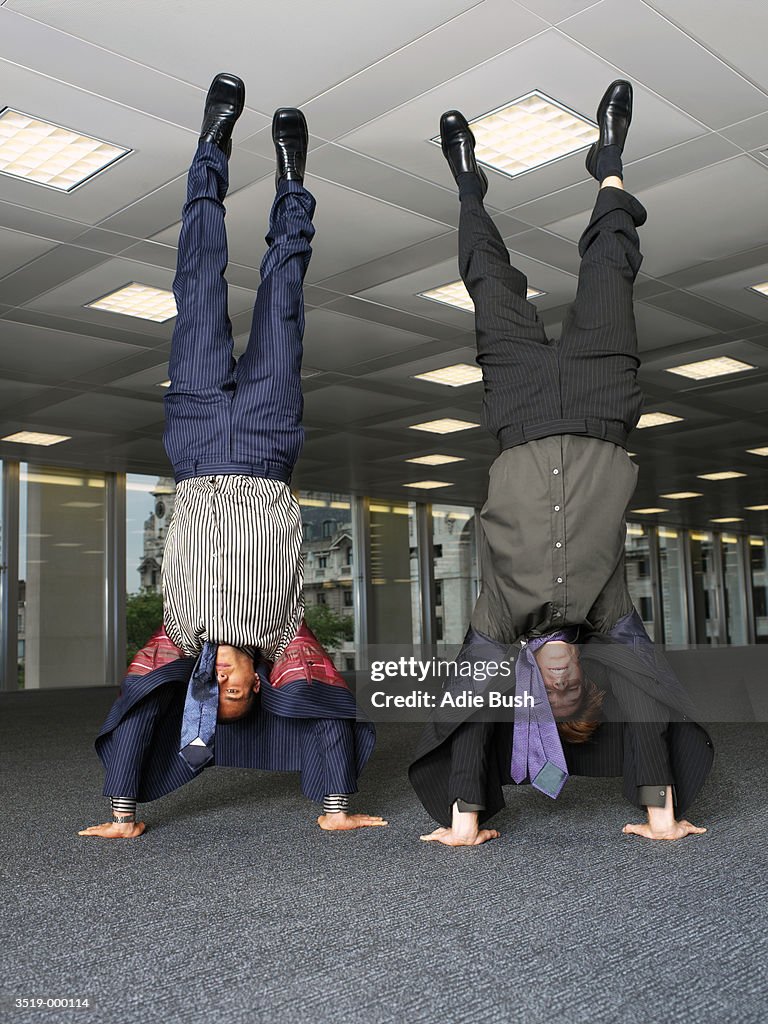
559 579
662 792
558 545
555 471
557 508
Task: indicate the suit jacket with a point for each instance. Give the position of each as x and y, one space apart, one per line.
304 719
628 664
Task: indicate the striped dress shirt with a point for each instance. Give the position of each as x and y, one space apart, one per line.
233 570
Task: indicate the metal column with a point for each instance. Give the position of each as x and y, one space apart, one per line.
9 578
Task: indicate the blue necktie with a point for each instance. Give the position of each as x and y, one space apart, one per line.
537 752
198 725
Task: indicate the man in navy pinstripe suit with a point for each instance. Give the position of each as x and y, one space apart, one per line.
232 566
553 524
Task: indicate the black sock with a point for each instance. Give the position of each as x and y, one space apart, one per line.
609 163
470 185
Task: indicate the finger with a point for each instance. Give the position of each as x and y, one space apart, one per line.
634 829
436 835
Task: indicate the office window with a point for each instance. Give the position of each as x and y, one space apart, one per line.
704 588
672 579
328 556
395 609
758 566
148 509
637 568
734 596
456 576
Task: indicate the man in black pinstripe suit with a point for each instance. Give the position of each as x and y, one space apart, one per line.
553 524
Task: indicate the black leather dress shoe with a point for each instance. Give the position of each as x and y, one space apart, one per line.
458 145
614 116
223 105
291 138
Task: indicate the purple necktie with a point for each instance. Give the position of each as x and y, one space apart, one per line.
537 752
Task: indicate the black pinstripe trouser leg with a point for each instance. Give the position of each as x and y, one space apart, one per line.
529 379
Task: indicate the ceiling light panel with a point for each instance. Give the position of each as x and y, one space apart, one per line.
529 132
757 451
435 460
657 419
762 289
679 495
456 376
33 437
647 511
429 485
444 426
706 368
50 155
728 474
139 300
455 294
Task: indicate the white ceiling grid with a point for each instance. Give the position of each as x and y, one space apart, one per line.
373 88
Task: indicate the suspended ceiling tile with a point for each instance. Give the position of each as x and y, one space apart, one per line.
649 49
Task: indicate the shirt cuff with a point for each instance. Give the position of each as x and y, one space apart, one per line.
654 796
463 807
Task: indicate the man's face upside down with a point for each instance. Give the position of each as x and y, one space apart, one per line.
238 682
563 678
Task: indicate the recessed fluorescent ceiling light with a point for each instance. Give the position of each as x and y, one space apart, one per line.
727 519
435 460
50 155
528 132
428 485
140 300
757 451
455 376
717 367
456 294
647 511
761 288
32 437
669 534
756 508
728 474
164 384
445 426
657 419
679 495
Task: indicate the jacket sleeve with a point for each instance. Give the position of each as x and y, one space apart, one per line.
128 745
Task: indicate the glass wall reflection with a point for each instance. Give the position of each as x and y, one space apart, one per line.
62 577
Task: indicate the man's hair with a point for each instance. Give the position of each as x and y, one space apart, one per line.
587 718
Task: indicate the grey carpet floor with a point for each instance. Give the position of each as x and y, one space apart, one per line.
235 907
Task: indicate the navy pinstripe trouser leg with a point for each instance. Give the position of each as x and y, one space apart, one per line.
223 417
